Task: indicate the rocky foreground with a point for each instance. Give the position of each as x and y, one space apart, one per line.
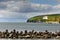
30 35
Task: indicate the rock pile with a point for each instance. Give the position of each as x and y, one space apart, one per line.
31 34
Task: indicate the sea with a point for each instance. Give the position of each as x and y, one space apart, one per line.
22 26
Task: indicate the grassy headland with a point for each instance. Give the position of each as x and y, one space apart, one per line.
50 18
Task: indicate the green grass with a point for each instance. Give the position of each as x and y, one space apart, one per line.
51 17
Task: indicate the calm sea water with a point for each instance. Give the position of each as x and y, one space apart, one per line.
29 26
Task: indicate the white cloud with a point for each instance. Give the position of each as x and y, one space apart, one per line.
23 9
42 6
7 14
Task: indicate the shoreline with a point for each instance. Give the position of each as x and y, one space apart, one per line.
29 35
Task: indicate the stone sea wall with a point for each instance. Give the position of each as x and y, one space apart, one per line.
29 35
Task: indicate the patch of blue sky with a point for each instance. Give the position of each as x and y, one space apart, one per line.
51 2
12 20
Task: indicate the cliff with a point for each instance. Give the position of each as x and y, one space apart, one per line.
45 18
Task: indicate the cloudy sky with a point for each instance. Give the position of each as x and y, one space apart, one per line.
21 10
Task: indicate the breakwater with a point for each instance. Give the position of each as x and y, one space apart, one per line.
30 35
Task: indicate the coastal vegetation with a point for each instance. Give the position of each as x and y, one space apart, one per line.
45 18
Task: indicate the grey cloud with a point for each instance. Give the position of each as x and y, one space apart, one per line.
11 0
24 9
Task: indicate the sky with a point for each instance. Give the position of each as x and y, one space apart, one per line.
22 10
